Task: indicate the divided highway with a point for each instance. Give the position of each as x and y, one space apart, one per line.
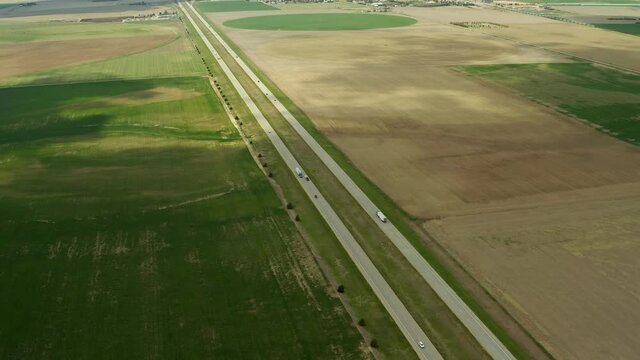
492 345
407 324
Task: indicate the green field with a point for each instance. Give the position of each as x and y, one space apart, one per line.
135 224
320 22
607 98
229 6
173 59
23 31
633 29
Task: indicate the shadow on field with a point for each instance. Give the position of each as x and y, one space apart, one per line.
33 112
61 156
52 77
54 126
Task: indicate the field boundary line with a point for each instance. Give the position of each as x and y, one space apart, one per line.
562 114
565 54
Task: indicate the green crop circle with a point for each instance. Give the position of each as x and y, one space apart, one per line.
320 22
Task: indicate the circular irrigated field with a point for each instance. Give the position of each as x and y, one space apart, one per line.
320 22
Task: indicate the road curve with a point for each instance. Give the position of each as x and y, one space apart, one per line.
491 344
407 324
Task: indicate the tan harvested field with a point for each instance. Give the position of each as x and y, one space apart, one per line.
25 58
539 207
569 271
577 40
601 10
622 50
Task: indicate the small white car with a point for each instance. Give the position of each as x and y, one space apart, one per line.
421 344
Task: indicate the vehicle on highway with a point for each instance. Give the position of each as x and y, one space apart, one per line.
299 172
381 216
306 177
421 344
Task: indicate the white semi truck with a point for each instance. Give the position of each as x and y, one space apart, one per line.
381 216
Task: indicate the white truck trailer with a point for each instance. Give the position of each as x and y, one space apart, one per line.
381 216
299 172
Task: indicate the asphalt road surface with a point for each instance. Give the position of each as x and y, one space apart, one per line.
407 324
492 345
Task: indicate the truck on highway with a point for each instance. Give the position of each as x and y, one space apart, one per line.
381 216
299 172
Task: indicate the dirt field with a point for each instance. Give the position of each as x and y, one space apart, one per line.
26 58
569 270
555 200
590 43
602 10
601 14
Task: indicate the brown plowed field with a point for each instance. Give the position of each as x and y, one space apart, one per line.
590 43
616 10
568 270
27 58
540 208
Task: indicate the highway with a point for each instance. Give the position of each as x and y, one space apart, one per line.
399 313
491 344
